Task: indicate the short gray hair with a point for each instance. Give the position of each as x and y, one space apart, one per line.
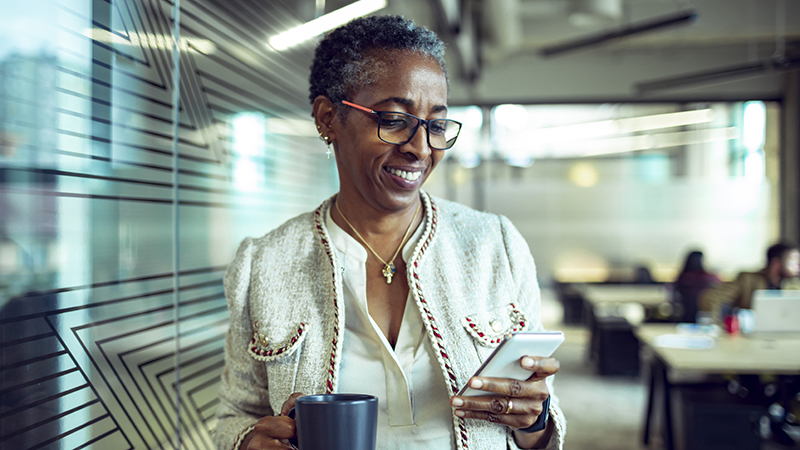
342 62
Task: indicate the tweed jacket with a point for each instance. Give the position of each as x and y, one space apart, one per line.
471 277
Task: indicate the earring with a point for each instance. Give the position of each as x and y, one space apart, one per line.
327 142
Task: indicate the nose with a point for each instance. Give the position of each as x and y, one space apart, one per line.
418 145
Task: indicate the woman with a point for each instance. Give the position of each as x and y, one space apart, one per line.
384 290
692 280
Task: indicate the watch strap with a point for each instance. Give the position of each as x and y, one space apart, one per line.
541 422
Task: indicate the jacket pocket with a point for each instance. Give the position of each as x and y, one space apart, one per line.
489 328
266 348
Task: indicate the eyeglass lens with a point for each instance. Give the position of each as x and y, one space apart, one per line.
399 128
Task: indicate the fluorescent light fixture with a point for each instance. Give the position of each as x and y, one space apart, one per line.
668 120
470 116
325 23
598 137
514 117
246 176
583 174
652 141
249 137
754 167
754 124
617 145
611 127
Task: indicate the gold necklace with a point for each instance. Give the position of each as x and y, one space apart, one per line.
388 267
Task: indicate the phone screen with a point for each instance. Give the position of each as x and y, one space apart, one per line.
504 362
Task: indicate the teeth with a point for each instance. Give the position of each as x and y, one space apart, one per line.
408 176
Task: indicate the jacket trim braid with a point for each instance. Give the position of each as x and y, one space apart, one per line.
241 437
330 383
493 338
260 349
436 338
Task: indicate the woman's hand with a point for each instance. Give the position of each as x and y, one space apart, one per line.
517 404
273 432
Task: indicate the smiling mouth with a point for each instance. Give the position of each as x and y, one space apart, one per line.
408 176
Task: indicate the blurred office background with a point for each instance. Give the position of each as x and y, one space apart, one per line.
117 221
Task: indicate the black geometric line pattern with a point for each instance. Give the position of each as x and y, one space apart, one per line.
127 355
87 324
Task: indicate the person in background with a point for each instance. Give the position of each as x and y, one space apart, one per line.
692 280
642 275
384 289
781 272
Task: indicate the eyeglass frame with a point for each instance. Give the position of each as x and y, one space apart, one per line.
420 122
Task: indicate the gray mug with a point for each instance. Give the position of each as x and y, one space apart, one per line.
336 422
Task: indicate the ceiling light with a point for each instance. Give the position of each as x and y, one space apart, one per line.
668 120
325 23
470 116
659 140
754 124
514 117
589 130
583 174
249 134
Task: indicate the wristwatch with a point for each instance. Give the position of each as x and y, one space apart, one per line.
541 422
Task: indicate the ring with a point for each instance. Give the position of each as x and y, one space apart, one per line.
510 405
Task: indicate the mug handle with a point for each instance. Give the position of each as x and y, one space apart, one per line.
293 441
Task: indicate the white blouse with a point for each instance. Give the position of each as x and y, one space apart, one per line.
413 402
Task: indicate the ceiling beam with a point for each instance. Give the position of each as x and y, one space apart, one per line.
723 74
681 18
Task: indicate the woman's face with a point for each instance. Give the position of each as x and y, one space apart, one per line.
370 169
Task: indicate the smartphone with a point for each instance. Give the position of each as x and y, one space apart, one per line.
504 360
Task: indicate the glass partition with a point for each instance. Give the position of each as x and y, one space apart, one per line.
94 182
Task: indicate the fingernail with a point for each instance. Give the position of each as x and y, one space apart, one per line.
476 384
528 363
459 413
457 402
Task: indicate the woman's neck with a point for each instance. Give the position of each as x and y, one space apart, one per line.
383 230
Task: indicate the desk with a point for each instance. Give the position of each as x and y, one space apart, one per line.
610 311
730 355
643 294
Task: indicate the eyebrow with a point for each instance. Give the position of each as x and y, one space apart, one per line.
409 103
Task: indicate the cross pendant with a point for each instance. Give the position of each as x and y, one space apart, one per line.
388 272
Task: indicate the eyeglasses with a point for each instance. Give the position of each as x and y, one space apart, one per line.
399 128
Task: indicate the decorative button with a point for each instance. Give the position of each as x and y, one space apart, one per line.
497 326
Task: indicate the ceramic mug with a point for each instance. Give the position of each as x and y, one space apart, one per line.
336 422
